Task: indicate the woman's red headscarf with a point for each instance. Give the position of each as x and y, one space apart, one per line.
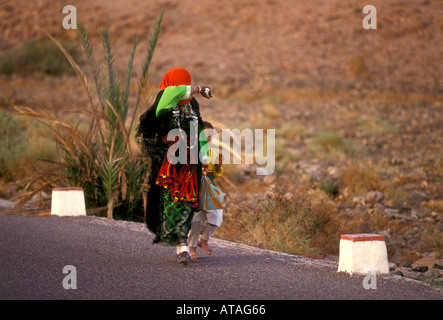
176 77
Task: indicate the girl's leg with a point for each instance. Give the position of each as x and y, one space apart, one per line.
183 252
193 235
208 230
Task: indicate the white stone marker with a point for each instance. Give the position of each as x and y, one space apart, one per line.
68 202
362 252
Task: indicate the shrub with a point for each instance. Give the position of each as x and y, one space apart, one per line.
358 67
376 126
332 143
22 142
436 205
329 187
40 56
434 240
12 144
359 178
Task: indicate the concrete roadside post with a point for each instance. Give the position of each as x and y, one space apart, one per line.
68 202
363 250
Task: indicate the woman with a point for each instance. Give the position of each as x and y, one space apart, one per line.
173 187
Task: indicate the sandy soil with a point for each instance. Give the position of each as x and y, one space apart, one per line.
250 43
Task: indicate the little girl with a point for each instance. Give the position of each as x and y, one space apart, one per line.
206 220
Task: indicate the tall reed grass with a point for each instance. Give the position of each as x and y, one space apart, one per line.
100 159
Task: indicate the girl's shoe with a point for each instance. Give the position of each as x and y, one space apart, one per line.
193 254
183 258
205 247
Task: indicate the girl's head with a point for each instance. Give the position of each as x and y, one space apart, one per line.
208 125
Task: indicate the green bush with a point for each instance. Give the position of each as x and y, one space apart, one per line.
12 144
376 126
37 56
25 146
329 187
332 143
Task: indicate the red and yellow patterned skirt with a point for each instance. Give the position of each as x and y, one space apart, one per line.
181 180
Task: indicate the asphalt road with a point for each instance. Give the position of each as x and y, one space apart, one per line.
117 260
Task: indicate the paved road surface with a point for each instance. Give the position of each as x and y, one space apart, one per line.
117 260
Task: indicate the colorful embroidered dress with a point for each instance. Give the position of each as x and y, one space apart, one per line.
173 187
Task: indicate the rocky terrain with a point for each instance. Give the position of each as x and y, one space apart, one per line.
338 95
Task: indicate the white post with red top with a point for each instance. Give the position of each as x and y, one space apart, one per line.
363 252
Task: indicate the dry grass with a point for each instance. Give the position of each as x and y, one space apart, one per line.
436 205
332 143
24 144
357 178
296 220
376 126
358 67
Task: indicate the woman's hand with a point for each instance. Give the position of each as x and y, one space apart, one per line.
205 91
